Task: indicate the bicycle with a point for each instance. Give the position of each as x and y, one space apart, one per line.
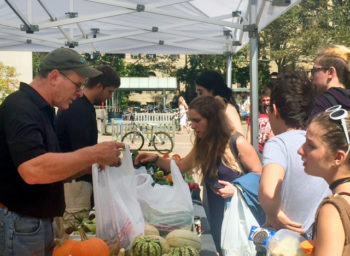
161 141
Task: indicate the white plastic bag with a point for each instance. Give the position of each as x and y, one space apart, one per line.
118 212
236 225
164 206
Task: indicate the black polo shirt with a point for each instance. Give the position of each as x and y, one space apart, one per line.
76 127
27 131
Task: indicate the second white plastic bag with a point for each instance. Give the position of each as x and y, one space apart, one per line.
164 206
118 212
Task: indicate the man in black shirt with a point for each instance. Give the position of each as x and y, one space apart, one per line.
76 127
31 169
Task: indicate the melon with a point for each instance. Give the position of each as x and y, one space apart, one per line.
181 238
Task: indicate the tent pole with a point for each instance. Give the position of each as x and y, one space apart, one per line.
254 85
229 71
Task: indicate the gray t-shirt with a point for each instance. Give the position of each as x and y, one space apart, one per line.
301 193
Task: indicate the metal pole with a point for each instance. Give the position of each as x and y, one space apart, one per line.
229 71
164 99
254 84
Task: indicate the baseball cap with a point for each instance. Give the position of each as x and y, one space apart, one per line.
68 59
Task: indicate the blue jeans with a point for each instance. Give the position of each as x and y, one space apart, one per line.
25 236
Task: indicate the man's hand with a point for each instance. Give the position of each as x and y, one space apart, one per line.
108 153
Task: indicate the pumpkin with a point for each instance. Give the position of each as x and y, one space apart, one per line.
63 247
183 251
181 238
89 246
144 245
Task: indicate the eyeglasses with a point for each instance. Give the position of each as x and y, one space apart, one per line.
338 113
78 86
315 70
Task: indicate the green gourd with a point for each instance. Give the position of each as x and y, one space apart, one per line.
182 251
146 246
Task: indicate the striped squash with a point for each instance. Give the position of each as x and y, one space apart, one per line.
183 251
146 246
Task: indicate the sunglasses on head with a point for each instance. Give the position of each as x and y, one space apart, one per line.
338 113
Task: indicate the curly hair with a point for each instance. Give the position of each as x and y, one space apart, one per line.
293 95
210 147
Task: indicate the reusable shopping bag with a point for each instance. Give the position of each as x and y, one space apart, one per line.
118 212
236 225
164 206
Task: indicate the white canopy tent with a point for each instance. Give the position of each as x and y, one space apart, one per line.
141 26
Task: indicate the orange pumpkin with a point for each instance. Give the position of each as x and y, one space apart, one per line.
63 247
89 247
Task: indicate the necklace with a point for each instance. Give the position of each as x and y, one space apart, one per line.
338 182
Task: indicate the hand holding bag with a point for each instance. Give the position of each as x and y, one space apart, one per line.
236 225
118 212
164 206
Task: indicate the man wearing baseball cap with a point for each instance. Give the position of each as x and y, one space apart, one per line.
31 167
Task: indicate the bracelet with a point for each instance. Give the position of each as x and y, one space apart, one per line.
155 160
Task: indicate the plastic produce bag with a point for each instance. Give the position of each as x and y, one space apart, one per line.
285 243
118 212
236 225
164 206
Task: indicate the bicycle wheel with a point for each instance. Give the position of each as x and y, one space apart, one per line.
134 139
162 142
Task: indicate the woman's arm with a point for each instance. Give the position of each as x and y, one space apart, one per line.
233 118
248 156
184 164
330 236
270 198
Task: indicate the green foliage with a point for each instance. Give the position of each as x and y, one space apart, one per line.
8 80
298 35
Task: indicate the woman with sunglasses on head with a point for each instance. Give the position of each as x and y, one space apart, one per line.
211 155
211 83
325 155
331 77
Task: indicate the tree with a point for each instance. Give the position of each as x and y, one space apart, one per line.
8 81
297 36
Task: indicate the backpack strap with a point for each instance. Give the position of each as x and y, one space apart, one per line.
235 151
343 208
332 100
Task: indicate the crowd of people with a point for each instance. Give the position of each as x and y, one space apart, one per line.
302 156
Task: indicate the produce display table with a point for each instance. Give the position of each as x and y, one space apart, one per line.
208 246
